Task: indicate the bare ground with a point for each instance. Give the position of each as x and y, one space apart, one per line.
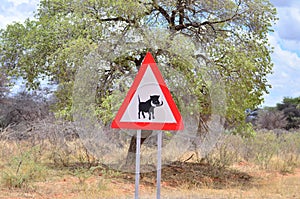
179 180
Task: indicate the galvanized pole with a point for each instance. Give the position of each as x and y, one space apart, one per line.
158 178
137 164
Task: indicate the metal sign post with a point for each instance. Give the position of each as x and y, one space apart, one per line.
158 177
137 164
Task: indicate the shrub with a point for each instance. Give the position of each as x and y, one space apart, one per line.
23 108
289 153
291 109
261 148
226 152
22 170
269 120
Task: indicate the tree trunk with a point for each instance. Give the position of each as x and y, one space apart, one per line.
130 160
201 133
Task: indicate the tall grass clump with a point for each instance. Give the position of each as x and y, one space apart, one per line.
22 170
277 150
288 157
273 150
261 148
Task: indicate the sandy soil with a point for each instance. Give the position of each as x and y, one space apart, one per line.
178 181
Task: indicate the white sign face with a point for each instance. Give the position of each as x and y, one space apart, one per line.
148 103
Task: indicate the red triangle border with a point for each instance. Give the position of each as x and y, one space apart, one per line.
116 123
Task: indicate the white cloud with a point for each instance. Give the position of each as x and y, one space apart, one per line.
288 25
284 3
17 2
285 80
16 10
284 58
291 45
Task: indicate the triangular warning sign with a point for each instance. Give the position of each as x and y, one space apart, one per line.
148 104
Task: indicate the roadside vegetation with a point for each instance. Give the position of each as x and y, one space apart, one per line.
215 58
41 151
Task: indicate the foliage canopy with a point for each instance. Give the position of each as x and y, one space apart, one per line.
227 39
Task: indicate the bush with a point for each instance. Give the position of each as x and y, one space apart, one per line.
271 120
289 153
22 170
261 148
291 109
22 109
273 150
226 152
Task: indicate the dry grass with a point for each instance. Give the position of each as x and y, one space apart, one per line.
274 186
47 168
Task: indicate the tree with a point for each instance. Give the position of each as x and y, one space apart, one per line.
227 41
4 90
291 109
3 84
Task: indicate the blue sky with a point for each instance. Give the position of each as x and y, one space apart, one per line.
285 79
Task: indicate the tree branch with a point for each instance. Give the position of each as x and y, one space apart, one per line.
162 11
181 7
